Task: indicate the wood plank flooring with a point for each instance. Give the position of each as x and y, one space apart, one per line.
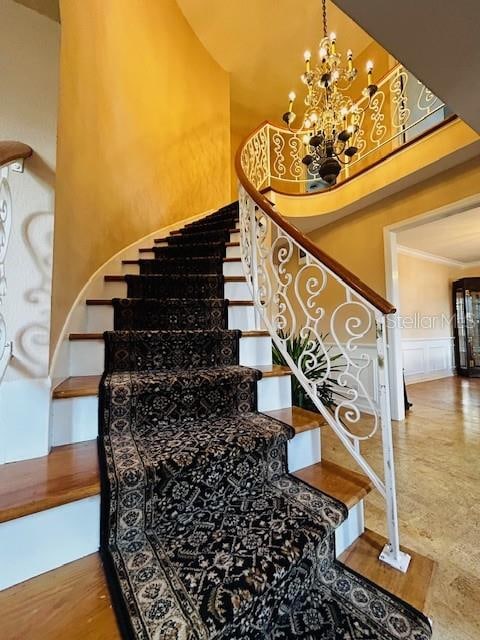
437 453
68 603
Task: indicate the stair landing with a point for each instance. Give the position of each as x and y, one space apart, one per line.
413 586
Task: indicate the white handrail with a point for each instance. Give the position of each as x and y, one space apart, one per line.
343 366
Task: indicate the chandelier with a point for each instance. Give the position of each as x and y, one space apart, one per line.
331 118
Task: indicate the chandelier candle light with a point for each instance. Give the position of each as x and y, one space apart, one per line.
330 120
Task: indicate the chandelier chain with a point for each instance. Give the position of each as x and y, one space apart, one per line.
324 16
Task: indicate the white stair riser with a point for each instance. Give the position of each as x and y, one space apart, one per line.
237 291
242 317
100 318
148 255
233 252
115 289
304 449
43 541
232 290
274 393
255 351
130 269
87 356
232 269
76 419
351 529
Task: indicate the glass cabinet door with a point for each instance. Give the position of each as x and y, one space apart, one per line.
472 305
461 329
466 300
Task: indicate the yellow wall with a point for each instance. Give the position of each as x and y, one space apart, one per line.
356 241
425 298
465 272
143 136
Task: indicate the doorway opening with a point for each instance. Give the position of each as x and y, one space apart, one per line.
424 256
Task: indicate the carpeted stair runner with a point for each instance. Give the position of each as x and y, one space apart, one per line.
172 313
198 264
204 534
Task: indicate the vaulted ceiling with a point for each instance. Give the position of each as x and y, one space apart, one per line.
261 43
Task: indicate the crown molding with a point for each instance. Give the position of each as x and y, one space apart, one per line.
431 257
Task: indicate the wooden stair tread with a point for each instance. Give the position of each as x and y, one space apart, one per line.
121 278
362 556
107 302
82 386
300 419
74 337
273 370
67 474
71 602
77 387
339 482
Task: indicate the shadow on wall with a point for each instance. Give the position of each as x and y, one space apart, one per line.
32 340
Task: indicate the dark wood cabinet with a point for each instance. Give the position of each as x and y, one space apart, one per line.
466 306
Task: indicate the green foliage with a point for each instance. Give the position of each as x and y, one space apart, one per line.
295 347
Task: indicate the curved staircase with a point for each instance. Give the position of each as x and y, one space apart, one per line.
180 323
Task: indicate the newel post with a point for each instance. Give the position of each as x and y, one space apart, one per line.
391 553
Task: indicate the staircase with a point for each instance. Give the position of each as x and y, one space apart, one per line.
64 513
59 495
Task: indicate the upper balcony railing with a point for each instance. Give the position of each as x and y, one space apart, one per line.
12 156
402 110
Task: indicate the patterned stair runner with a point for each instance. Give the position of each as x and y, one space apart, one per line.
204 533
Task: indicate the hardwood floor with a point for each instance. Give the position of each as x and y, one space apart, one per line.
71 602
437 452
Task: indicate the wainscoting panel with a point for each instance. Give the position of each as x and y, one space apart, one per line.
427 359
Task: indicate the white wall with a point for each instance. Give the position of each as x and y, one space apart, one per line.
29 54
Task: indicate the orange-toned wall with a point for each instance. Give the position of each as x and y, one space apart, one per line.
356 241
143 133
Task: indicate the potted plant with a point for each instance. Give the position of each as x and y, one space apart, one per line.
295 347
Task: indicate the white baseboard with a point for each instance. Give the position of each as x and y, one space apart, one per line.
448 373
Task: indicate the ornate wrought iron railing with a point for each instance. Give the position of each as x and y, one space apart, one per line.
12 156
402 109
301 292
